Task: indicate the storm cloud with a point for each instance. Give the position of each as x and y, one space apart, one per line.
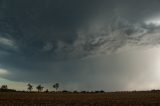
91 44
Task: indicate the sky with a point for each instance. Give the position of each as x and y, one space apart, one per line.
106 45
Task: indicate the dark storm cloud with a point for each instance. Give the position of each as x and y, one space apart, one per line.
35 24
55 25
48 39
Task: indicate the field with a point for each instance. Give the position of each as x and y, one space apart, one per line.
80 99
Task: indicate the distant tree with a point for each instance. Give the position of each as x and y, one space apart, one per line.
4 87
100 91
75 91
30 87
56 86
65 91
39 88
47 91
83 91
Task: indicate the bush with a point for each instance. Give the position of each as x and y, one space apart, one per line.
65 91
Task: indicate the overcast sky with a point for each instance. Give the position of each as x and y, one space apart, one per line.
82 44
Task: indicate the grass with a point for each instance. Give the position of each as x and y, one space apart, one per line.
147 98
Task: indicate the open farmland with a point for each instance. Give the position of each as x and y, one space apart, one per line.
80 99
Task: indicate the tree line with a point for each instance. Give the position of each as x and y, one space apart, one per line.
40 87
30 87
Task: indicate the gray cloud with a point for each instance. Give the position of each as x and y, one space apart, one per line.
76 42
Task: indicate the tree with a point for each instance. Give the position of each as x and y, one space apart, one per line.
56 86
46 91
30 87
4 87
39 88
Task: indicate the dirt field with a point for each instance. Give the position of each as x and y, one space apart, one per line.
80 99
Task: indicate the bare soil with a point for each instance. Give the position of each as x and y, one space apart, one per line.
80 99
